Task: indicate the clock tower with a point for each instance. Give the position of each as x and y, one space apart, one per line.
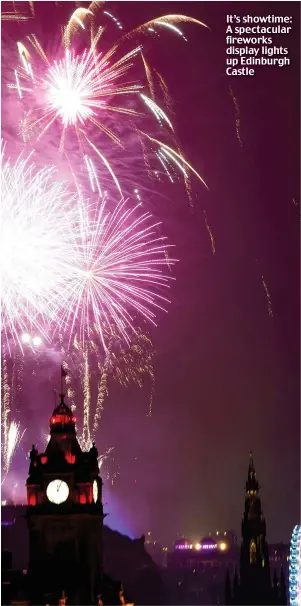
65 516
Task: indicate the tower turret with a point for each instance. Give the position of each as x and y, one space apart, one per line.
62 418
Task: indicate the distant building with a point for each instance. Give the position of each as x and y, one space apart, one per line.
123 558
254 586
205 553
196 571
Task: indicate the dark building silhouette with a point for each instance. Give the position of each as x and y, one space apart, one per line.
254 587
123 558
64 516
61 534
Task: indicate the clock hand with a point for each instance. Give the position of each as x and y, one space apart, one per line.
59 486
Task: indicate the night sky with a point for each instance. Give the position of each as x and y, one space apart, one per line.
227 373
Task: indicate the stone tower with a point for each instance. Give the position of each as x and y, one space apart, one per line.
255 582
65 516
254 586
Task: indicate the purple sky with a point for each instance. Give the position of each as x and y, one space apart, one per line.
227 374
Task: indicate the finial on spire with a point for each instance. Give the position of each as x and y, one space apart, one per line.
64 374
251 463
33 452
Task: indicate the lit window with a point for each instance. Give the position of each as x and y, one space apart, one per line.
252 552
32 500
70 458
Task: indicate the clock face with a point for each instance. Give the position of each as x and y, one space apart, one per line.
95 491
57 491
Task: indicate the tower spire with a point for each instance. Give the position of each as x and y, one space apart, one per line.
252 485
255 581
63 375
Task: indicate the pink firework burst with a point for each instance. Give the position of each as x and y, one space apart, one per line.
119 269
85 100
75 264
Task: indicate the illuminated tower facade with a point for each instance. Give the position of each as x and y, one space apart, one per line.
65 516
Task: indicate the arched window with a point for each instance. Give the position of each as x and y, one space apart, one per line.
252 552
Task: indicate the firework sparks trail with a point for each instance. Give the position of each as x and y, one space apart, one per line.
17 381
86 438
92 367
74 96
70 389
102 458
173 28
270 309
66 357
5 398
12 14
11 431
167 21
237 116
149 77
13 17
175 156
130 365
102 387
116 21
210 233
114 475
152 395
76 364
14 438
164 88
134 364
157 111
